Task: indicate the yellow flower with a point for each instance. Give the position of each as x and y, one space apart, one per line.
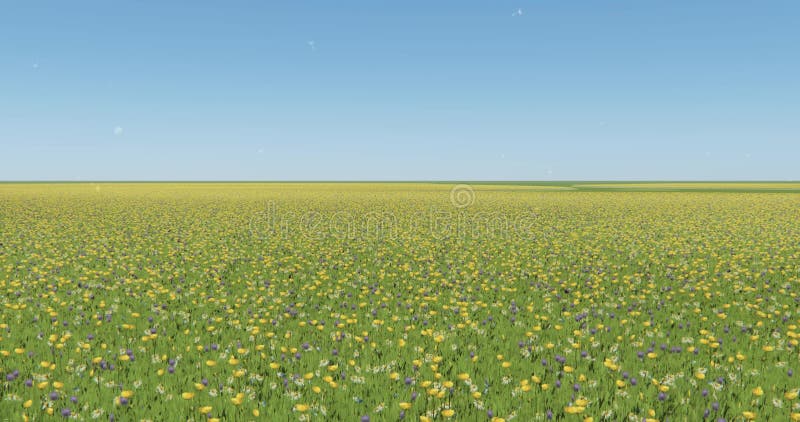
463 376
790 395
27 404
301 407
187 395
405 405
749 415
448 413
256 412
758 392
206 409
127 394
574 409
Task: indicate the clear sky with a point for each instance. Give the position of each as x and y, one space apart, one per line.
400 90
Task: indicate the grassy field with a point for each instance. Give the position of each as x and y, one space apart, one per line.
399 301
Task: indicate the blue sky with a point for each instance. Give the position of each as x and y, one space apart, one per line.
400 90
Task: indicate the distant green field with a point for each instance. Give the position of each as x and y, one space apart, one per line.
657 186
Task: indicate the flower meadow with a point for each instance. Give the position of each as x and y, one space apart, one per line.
396 302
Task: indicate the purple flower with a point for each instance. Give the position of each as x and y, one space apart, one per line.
662 396
66 412
365 418
73 399
123 401
54 395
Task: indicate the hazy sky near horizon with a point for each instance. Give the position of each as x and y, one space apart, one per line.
400 90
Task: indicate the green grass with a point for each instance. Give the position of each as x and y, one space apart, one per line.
290 279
